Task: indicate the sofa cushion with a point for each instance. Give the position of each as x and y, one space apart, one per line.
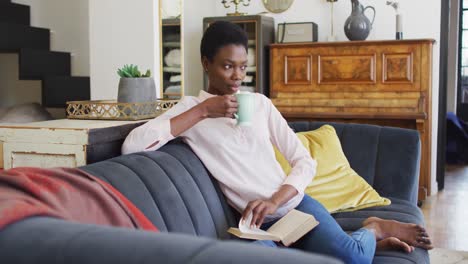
386 157
399 210
336 185
418 256
172 188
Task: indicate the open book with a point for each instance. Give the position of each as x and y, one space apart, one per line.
288 229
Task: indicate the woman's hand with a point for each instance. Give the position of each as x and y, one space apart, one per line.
259 209
220 106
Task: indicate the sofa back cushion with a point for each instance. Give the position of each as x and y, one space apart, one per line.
379 154
335 185
172 188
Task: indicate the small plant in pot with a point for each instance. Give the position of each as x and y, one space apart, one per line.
135 87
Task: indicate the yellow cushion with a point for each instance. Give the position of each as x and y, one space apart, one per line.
336 185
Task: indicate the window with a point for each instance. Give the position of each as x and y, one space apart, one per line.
463 62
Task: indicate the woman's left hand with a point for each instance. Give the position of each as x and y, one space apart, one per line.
259 209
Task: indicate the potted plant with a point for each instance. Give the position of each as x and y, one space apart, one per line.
135 87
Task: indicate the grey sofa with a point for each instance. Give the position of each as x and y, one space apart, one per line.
174 190
388 159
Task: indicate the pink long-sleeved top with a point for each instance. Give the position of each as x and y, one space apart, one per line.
241 158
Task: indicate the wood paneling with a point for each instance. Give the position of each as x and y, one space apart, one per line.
375 82
346 69
397 68
1 154
294 70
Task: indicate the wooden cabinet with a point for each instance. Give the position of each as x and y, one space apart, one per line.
261 33
375 82
63 142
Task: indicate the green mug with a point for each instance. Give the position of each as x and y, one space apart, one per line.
245 109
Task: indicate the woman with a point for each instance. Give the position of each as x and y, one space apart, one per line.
242 158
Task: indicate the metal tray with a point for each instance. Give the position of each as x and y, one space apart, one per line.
113 110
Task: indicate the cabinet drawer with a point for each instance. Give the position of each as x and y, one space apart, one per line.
1 154
43 155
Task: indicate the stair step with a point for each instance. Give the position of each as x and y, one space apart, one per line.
36 64
14 13
16 36
57 90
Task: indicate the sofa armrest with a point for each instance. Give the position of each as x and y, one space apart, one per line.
49 240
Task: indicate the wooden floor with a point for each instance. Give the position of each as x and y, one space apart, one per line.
446 213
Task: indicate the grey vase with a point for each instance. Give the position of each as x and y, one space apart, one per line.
136 90
358 26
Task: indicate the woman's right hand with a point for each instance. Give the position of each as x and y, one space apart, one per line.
220 106
216 106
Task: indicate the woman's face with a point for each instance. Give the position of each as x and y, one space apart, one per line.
227 70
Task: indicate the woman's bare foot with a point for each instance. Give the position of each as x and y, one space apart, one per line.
412 234
393 243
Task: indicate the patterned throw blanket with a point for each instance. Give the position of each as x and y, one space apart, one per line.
66 193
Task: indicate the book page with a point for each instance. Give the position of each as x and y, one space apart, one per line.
288 229
247 232
244 227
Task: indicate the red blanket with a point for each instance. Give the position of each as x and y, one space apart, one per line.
65 193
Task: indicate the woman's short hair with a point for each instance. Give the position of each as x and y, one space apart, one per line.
220 34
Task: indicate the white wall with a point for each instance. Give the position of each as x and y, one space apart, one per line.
13 91
68 19
102 36
421 19
193 14
384 25
121 32
452 60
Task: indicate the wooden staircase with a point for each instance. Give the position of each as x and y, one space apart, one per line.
36 60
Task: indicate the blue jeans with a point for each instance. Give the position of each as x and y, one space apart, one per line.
329 238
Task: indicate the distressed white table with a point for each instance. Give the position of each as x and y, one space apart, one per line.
62 142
